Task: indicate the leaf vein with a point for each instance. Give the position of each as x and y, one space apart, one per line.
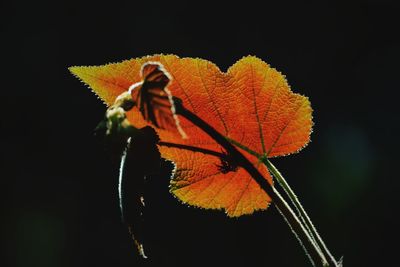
215 106
284 128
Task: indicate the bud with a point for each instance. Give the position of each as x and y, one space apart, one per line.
124 101
117 123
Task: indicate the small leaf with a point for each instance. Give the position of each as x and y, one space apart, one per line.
153 98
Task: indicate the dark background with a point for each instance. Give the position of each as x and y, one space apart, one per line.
59 188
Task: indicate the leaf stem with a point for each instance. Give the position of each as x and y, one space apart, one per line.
290 193
297 227
302 213
295 201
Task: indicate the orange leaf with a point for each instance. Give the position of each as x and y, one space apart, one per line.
251 104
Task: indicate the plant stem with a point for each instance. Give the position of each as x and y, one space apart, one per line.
290 193
295 201
297 227
303 214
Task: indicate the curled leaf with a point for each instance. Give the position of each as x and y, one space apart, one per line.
141 158
153 98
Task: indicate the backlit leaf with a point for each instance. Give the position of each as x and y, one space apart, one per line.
251 104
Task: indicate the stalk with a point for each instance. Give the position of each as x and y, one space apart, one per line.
302 213
295 201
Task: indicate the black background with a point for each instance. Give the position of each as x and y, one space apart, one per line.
59 188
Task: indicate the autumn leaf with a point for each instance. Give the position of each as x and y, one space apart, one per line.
251 105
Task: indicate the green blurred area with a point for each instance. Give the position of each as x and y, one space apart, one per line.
41 240
343 167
